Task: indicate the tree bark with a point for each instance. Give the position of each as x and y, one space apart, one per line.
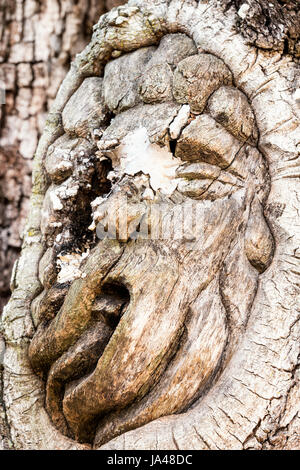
212 362
38 41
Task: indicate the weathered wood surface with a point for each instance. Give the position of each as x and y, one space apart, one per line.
206 327
38 42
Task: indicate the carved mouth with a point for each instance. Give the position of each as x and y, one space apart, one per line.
81 359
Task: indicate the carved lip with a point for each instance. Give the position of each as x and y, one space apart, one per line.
106 313
81 359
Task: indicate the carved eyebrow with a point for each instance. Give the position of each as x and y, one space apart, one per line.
207 141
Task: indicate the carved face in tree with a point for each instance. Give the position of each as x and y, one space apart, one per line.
131 330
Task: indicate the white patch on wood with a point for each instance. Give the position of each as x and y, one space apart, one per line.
243 11
56 202
69 266
148 194
297 96
67 190
180 121
64 165
137 154
2 350
96 202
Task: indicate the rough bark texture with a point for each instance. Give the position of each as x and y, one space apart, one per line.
270 25
38 41
189 341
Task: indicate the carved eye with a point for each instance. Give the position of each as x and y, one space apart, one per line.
204 181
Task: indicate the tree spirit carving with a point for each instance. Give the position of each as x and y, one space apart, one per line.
135 331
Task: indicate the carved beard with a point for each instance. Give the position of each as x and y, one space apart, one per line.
150 326
170 337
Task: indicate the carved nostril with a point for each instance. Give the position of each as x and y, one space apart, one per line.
111 303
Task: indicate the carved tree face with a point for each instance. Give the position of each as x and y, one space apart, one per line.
130 330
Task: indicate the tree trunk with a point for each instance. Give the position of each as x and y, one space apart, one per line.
38 41
187 338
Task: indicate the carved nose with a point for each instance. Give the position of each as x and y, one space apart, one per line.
111 304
